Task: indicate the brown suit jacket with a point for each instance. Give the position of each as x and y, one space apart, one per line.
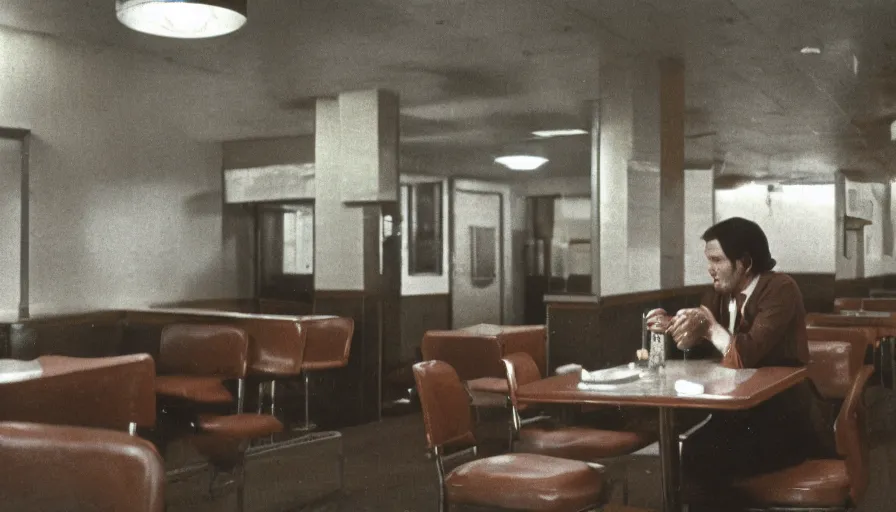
773 329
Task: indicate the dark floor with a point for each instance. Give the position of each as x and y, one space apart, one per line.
387 470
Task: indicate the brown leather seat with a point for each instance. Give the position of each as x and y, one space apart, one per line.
821 483
208 390
328 343
550 483
76 469
103 392
513 481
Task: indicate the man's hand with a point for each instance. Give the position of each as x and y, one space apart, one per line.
658 320
690 326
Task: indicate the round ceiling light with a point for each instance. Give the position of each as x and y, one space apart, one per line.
186 19
521 162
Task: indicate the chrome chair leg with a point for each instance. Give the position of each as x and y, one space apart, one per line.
308 424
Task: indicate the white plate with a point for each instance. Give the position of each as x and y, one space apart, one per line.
611 376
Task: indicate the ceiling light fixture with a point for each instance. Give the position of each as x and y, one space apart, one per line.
521 162
810 50
559 133
186 19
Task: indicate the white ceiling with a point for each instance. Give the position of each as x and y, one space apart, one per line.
476 75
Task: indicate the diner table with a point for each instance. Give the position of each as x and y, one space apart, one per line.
723 389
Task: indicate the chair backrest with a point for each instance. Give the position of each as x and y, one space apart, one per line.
276 346
521 370
849 429
832 368
212 350
101 392
445 404
76 469
328 342
472 356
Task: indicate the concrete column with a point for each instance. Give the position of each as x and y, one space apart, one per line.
339 229
629 177
596 273
671 173
612 180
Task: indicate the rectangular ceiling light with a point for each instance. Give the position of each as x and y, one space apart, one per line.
559 133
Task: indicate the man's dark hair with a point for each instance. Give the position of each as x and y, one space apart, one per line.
742 239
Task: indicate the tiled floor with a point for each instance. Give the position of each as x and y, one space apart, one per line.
387 470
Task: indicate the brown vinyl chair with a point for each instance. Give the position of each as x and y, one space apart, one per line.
200 358
516 481
836 484
475 352
477 361
76 469
832 367
543 436
104 392
328 342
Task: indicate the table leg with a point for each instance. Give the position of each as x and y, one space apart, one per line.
669 460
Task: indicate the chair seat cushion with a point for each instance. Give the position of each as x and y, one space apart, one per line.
206 390
489 385
525 482
239 426
814 483
580 443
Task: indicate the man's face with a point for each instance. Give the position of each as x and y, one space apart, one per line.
725 275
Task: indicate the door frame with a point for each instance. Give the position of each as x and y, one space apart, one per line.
480 188
23 136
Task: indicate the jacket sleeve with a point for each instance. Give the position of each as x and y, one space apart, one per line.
776 309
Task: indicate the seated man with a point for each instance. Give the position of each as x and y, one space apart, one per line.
753 317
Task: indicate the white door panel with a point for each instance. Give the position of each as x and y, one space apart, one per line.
477 279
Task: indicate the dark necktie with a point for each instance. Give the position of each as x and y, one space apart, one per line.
738 320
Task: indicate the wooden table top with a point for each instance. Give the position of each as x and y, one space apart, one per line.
724 388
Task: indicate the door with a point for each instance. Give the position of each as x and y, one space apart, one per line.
10 225
478 274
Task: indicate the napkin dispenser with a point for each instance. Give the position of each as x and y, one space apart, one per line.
655 343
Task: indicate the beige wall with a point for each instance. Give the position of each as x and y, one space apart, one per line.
126 209
699 206
799 222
